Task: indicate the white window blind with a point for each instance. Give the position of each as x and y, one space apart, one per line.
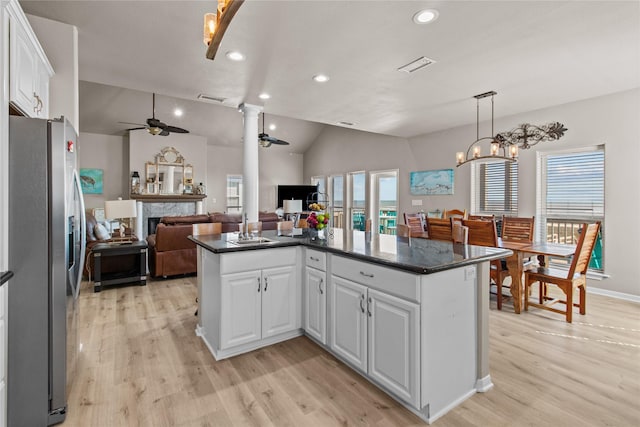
570 193
494 188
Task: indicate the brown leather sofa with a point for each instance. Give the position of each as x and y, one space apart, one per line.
171 253
109 264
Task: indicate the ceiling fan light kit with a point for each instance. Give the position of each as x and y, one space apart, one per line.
265 140
504 146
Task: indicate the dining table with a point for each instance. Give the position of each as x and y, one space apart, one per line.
515 262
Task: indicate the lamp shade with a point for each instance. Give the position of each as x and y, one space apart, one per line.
292 206
114 209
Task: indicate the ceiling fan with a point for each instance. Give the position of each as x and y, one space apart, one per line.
266 140
155 126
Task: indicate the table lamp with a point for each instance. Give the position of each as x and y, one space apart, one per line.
121 210
292 208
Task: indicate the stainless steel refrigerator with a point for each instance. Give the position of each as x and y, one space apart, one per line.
46 254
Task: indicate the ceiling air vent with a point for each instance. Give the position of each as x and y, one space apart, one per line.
416 65
209 98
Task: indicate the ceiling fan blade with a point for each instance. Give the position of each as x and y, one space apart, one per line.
136 128
164 132
155 123
279 142
174 129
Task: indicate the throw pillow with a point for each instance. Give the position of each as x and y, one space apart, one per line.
101 232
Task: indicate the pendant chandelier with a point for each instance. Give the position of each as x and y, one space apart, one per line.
504 146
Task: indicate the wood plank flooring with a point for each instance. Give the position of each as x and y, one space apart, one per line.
142 365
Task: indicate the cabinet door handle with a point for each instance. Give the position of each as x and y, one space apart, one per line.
314 259
320 286
369 307
266 283
258 284
366 274
362 303
40 105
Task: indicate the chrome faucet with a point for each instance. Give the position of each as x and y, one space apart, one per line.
245 227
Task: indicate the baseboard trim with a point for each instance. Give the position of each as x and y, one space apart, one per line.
484 384
613 294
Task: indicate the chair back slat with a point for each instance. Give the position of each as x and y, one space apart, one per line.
584 248
482 217
518 229
440 229
482 233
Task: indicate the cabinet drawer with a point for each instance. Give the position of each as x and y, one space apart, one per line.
399 283
257 259
316 259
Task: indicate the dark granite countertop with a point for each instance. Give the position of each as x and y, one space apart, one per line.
422 256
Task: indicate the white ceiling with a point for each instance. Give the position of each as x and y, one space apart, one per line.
533 53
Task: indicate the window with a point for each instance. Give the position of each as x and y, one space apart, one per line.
234 193
321 183
494 188
570 193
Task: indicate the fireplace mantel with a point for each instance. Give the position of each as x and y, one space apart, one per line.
167 198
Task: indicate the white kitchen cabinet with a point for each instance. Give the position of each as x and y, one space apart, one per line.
241 315
315 307
29 68
349 321
315 295
377 333
259 304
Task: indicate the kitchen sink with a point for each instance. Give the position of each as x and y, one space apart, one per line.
256 241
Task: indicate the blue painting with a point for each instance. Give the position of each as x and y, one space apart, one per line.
91 181
430 183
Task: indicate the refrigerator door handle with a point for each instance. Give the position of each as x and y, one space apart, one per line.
5 276
83 232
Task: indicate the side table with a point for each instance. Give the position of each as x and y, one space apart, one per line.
137 274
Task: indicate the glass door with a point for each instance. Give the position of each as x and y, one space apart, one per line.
336 185
384 192
357 200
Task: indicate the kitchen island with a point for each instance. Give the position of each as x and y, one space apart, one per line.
411 315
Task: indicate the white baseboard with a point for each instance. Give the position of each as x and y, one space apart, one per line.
484 384
613 294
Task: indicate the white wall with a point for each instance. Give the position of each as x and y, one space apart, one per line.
60 43
106 152
610 120
276 167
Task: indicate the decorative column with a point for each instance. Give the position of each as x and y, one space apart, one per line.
250 174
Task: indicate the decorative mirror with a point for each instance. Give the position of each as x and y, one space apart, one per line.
169 174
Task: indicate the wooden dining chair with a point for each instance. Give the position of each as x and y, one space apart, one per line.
518 229
302 223
459 233
415 225
482 217
567 281
440 229
414 215
455 213
481 233
403 230
206 228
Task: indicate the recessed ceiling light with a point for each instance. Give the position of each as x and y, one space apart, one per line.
321 78
272 126
425 16
177 112
264 95
235 56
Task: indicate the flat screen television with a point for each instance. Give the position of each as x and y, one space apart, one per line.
297 192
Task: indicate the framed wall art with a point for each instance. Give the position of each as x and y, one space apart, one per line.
91 181
431 183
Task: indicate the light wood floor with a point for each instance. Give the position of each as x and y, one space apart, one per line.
142 365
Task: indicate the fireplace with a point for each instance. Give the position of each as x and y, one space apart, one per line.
152 223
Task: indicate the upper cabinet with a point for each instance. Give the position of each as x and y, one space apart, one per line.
29 68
